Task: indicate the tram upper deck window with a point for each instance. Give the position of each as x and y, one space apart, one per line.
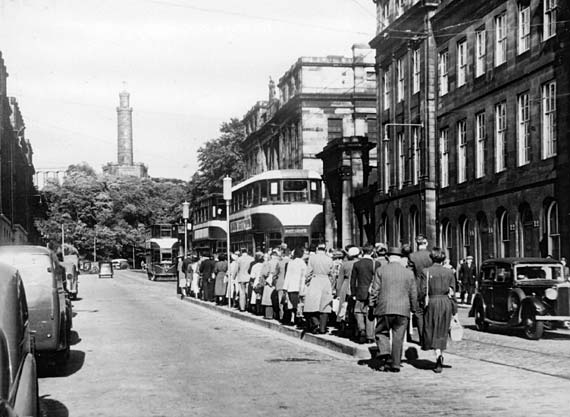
316 193
274 191
263 191
294 191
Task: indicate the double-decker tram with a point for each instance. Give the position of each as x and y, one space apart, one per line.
210 225
274 207
161 252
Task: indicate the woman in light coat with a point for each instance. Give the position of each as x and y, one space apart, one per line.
295 273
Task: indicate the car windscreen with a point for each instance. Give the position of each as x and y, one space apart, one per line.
524 272
33 268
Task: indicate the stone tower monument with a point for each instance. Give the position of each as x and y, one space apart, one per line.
125 130
125 165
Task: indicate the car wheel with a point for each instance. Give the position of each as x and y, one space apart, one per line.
533 329
480 322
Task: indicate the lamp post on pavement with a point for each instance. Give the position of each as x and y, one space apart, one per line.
186 216
228 198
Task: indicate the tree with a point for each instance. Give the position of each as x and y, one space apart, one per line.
217 158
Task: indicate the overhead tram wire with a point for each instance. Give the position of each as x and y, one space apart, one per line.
256 17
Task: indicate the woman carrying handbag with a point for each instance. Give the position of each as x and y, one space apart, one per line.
441 307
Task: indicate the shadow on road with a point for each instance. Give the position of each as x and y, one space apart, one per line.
48 368
52 408
556 334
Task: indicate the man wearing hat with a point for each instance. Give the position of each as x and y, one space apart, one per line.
467 277
361 278
393 296
419 260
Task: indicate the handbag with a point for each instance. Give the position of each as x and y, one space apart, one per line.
455 330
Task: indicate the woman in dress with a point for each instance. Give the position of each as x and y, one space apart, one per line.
220 271
438 283
294 280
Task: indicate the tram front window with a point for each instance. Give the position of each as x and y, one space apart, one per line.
294 191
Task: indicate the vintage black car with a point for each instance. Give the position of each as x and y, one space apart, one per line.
531 293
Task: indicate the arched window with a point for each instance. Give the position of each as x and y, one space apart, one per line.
398 235
446 239
384 229
465 237
552 230
504 235
414 224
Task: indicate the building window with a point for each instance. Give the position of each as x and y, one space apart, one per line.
444 157
461 151
480 52
416 155
481 139
334 128
387 85
401 160
414 224
443 70
416 71
549 18
524 28
400 77
461 62
500 136
500 39
386 157
552 231
504 234
398 228
523 131
549 120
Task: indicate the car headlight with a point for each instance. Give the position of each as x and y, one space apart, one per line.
551 293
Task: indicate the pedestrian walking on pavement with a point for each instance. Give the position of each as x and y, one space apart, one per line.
438 284
361 278
220 271
467 277
393 296
418 261
317 295
242 277
343 289
295 273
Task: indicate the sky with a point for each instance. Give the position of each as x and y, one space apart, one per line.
189 66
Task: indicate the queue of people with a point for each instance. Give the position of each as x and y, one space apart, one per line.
369 294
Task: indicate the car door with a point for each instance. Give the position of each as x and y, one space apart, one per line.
486 288
502 286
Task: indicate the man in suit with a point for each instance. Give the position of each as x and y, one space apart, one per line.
208 278
467 277
242 276
393 296
418 261
360 280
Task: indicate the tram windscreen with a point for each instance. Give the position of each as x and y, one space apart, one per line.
294 190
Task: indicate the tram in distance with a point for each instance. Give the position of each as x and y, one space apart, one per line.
161 252
210 225
274 207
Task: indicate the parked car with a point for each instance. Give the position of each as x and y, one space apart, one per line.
71 279
18 377
105 269
49 308
531 293
120 263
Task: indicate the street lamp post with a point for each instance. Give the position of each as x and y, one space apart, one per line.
186 216
228 198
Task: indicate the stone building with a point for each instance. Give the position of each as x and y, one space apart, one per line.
17 191
125 165
320 100
491 104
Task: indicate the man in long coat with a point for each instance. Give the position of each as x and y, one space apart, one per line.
394 296
419 260
242 276
467 277
361 278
